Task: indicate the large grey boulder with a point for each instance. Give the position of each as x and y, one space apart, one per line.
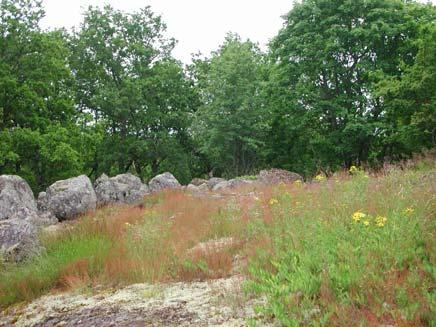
18 239
162 182
121 189
37 219
231 184
41 203
15 194
276 176
214 181
67 199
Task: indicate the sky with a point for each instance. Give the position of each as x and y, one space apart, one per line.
198 25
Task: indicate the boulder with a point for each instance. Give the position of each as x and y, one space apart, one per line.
276 176
192 188
67 199
214 181
15 194
42 202
18 239
121 189
162 182
203 188
37 219
231 184
198 181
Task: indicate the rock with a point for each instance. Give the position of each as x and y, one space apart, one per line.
37 219
231 184
192 188
42 201
203 188
18 239
69 198
214 181
212 246
198 181
162 182
121 189
15 194
276 176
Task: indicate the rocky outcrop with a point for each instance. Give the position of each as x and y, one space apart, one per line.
15 195
207 303
162 182
231 184
121 189
18 239
214 181
67 199
276 176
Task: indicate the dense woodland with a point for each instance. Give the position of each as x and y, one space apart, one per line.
342 83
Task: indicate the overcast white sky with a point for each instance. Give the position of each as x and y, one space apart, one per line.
198 25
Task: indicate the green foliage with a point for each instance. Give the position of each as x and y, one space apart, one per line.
342 250
230 123
325 112
410 97
141 96
35 277
343 82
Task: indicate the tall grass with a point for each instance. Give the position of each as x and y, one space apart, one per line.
326 268
352 250
122 245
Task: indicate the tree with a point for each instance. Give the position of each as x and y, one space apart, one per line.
36 98
326 113
410 99
230 122
129 82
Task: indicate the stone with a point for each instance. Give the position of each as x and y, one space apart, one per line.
18 240
121 189
42 201
203 188
70 198
277 176
214 181
192 188
15 194
231 184
212 246
198 181
162 182
37 219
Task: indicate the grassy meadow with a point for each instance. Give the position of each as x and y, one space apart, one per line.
354 249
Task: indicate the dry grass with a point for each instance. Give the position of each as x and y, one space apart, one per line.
304 252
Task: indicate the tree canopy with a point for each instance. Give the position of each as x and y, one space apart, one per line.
342 83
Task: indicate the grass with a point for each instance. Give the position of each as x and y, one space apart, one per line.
352 250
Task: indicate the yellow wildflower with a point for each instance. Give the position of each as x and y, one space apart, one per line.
357 216
298 183
320 178
353 170
273 201
409 211
380 221
366 222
